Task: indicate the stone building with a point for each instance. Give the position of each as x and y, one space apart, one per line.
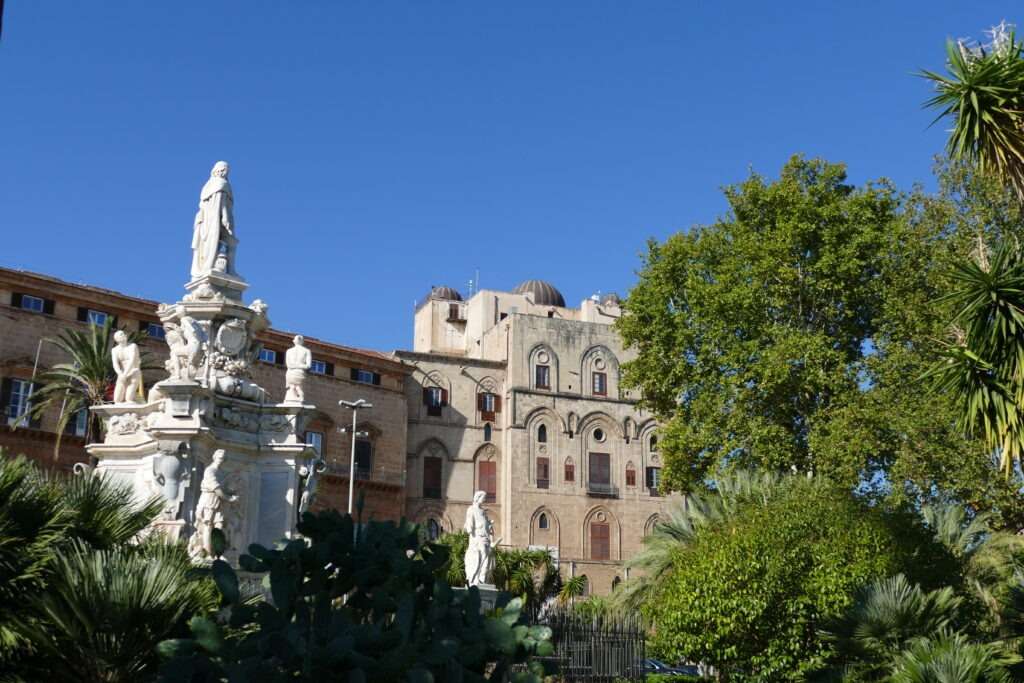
518 395
34 308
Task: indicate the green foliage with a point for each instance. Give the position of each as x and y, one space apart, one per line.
356 607
984 95
572 588
766 337
951 658
748 594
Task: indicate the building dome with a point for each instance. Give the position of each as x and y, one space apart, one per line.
445 294
544 293
611 299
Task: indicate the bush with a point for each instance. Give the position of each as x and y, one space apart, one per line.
747 595
366 607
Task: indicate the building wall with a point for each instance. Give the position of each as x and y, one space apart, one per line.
22 330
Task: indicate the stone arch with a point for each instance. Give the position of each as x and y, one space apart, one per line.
436 512
602 419
601 514
435 447
552 536
646 433
545 413
630 467
487 384
651 522
543 354
599 359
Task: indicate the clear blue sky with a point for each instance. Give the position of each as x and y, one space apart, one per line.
380 147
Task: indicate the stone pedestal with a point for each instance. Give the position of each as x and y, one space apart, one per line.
488 597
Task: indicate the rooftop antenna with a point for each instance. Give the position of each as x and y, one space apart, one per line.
477 279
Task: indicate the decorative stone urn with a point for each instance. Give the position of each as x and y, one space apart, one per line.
209 403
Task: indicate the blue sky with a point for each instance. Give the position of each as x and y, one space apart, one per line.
378 147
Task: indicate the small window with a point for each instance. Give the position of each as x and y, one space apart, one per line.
630 476
542 434
542 473
155 331
364 459
542 521
551 314
654 444
18 402
487 432
598 434
97 318
365 376
570 470
653 479
435 398
543 377
487 479
488 404
433 529
316 440
600 382
268 355
318 367
432 477
32 303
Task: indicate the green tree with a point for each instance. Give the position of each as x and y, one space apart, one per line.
749 594
953 659
784 334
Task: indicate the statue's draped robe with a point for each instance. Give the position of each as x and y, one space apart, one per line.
477 552
215 202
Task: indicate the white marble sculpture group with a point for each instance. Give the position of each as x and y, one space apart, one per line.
208 439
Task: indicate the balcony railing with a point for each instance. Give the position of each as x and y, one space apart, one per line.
542 483
431 492
602 490
653 490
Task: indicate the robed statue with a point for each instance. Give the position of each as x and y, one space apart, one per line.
210 510
479 559
213 235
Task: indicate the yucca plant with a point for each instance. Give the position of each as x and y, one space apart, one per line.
983 93
572 588
84 380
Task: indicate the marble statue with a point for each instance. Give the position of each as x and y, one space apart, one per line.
479 559
298 360
128 368
210 510
309 475
169 476
185 346
214 229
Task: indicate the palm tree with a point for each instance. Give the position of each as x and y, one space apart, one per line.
951 658
885 617
983 93
82 382
651 567
572 588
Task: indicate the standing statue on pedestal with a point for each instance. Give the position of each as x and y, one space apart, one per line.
479 560
128 368
214 225
298 360
210 509
309 476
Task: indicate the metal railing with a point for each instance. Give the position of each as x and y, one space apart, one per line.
596 649
601 489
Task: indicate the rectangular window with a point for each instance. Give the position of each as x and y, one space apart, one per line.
542 473
488 404
600 541
78 423
268 355
31 303
316 440
600 470
543 377
630 477
432 477
18 403
318 367
155 331
435 398
364 376
570 471
600 384
653 479
364 459
97 318
488 479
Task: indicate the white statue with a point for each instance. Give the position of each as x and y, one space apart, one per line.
184 344
213 496
128 368
298 360
310 477
214 224
479 560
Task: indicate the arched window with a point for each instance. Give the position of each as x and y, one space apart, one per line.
433 529
616 581
542 434
570 470
654 444
542 521
487 432
630 475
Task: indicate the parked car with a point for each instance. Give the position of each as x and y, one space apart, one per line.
656 666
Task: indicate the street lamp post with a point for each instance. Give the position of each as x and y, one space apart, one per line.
356 406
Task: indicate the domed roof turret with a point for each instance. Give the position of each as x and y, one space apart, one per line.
445 294
544 293
611 299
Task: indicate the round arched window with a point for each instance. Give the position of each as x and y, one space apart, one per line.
487 432
542 434
598 434
542 521
433 529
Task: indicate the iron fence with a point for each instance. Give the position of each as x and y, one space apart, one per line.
599 649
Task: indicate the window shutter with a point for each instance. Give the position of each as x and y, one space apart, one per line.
497 403
48 306
83 314
480 402
35 420
330 369
16 299
279 357
426 396
353 374
5 392
444 397
376 378
143 326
